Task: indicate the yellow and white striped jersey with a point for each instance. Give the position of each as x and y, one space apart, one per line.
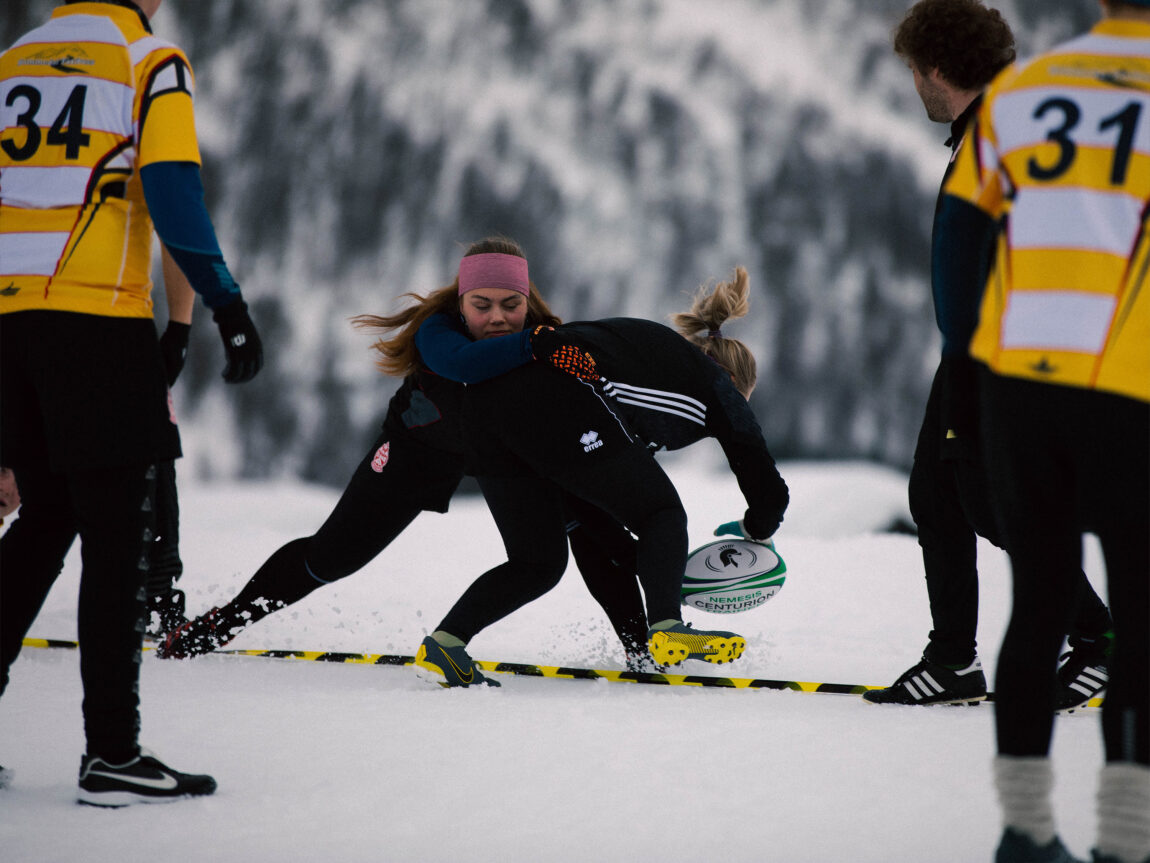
86 100
1059 156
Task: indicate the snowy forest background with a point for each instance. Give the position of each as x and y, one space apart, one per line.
636 148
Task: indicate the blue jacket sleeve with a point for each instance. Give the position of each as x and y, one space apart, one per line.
451 353
175 199
964 238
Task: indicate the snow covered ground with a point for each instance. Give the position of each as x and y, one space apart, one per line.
356 763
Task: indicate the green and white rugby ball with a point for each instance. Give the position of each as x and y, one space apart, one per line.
732 575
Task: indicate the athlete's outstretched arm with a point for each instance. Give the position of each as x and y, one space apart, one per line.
451 353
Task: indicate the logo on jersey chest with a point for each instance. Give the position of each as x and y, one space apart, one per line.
590 441
67 59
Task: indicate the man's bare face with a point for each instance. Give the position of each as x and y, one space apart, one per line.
934 94
9 494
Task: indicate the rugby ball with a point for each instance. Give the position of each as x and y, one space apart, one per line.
732 575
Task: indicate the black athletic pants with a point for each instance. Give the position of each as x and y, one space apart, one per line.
84 416
383 496
950 504
1067 461
379 504
105 508
164 564
606 554
530 515
538 433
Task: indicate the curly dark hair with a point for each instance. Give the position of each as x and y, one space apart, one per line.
967 42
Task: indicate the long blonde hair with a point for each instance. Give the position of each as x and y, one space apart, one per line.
398 355
701 325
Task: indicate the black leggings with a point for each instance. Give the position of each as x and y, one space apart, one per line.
537 433
377 506
380 501
530 514
606 554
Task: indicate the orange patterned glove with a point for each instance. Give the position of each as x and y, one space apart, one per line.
574 361
547 345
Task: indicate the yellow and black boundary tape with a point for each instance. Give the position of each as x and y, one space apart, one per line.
558 672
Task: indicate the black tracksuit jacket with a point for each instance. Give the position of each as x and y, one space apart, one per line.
671 395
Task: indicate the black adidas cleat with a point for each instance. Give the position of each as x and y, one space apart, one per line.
931 683
144 779
1081 678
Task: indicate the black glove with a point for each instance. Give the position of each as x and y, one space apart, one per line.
241 342
544 340
758 525
174 349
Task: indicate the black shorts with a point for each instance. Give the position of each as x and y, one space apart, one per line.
82 391
537 420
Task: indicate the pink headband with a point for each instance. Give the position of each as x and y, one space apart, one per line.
493 270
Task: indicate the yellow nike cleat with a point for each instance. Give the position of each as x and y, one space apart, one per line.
448 666
680 641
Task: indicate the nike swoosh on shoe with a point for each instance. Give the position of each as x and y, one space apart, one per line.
165 783
466 678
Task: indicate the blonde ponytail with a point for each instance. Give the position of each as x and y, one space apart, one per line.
702 326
